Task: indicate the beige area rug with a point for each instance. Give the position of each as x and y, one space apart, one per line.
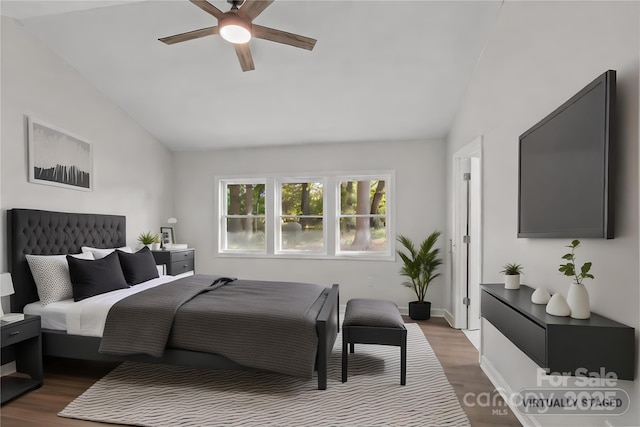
160 395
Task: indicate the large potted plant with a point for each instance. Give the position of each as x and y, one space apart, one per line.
420 265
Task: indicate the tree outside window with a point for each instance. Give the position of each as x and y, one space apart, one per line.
245 216
363 216
302 218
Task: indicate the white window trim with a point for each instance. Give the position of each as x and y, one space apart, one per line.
331 224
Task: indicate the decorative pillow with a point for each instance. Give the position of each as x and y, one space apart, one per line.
90 278
138 267
51 274
99 253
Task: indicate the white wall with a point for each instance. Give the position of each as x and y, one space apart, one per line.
132 171
420 209
538 56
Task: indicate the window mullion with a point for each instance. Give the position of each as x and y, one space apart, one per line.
271 215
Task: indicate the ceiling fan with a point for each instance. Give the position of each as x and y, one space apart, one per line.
236 27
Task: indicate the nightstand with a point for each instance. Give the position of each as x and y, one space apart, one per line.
177 261
25 339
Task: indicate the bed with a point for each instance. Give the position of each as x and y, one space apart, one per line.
55 233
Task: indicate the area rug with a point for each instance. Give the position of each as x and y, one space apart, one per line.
161 395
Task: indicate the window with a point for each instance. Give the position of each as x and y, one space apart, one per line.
244 216
362 218
301 216
329 216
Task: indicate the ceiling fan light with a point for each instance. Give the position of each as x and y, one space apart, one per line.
234 29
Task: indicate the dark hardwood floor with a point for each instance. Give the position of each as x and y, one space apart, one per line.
64 380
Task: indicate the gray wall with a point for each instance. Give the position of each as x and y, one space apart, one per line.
132 170
538 56
420 199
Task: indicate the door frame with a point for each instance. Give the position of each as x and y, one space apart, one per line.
459 256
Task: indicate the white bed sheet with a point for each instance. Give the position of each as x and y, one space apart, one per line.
86 317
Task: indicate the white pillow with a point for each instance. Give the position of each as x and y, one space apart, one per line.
51 274
101 253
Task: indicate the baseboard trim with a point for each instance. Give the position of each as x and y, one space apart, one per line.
8 369
505 391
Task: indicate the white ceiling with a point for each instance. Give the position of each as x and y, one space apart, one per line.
381 70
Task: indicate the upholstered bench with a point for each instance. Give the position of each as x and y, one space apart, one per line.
373 321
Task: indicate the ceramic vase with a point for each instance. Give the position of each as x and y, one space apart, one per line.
558 306
578 300
512 281
540 296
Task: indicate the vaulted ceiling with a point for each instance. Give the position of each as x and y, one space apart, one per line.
381 70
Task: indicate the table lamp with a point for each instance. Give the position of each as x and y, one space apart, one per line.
6 289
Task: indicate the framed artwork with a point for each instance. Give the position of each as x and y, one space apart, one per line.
57 157
167 236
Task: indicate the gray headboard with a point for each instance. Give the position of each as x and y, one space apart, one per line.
54 233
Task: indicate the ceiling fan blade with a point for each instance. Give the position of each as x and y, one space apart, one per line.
195 34
244 56
208 7
279 36
250 9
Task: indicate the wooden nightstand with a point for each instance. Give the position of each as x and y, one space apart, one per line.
24 337
177 261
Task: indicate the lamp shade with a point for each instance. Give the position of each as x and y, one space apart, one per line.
6 285
234 29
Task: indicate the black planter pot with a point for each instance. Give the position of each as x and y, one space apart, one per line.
418 311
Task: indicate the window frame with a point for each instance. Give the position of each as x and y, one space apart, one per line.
331 213
278 215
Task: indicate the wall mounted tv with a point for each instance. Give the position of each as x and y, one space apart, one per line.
565 185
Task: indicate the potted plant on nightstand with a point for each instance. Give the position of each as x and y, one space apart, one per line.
420 265
148 239
512 274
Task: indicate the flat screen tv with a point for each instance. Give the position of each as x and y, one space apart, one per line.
565 184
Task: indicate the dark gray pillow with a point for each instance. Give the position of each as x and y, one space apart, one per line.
90 278
138 267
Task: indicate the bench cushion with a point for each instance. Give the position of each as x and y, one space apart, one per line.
372 312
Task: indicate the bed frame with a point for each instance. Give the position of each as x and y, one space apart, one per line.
54 233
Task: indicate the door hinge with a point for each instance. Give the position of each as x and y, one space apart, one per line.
466 301
466 239
466 176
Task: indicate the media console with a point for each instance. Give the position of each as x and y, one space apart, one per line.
560 345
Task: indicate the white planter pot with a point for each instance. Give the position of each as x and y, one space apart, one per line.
578 300
558 306
512 281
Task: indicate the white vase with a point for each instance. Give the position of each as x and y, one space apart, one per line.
578 300
558 306
540 296
512 281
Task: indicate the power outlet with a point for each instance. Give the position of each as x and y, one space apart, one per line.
370 281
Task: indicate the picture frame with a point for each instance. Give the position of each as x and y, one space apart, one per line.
167 236
59 158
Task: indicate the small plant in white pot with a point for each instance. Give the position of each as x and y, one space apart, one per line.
512 274
577 297
148 239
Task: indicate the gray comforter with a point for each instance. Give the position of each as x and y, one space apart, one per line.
258 324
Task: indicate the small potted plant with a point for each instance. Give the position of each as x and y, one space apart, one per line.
420 265
512 274
577 297
148 238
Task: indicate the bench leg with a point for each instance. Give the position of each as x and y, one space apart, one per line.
352 347
403 358
345 355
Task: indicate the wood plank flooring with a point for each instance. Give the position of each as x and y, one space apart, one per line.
64 380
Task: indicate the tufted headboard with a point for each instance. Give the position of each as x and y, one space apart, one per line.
54 233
